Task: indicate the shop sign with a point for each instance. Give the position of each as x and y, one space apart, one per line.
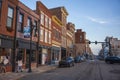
44 51
27 32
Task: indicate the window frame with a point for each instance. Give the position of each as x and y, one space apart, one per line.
42 18
22 28
0 10
30 21
9 28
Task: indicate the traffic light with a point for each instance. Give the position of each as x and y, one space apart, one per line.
95 42
89 42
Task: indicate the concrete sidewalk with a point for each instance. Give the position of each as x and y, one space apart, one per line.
15 76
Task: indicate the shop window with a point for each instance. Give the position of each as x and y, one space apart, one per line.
33 56
20 54
20 23
10 18
6 52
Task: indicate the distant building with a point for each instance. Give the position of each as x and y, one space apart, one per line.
113 47
70 39
82 44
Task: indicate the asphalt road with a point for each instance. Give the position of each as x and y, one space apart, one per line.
89 70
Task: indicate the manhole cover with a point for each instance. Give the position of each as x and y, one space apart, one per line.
115 71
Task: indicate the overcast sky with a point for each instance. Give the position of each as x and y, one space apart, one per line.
98 18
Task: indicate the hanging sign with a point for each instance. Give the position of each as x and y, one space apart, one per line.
27 32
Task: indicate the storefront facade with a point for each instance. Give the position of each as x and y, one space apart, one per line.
6 49
45 34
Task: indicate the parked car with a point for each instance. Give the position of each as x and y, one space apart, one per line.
66 62
112 59
77 59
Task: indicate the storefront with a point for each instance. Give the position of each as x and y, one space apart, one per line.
63 53
55 55
23 49
44 55
6 49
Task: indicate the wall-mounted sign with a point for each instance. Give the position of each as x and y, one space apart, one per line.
27 32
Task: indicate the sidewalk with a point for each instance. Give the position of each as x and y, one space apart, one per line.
15 76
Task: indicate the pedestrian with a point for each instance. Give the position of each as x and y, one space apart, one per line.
19 65
5 62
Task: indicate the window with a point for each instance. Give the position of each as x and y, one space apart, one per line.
20 54
10 17
45 36
46 21
29 22
35 28
6 52
41 34
0 7
20 23
42 18
80 38
49 37
49 23
33 56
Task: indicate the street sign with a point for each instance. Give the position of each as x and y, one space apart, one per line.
27 32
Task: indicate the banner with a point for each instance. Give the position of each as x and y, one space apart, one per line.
27 32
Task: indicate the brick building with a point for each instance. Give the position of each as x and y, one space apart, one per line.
80 42
56 40
114 46
70 39
45 33
15 16
62 14
7 29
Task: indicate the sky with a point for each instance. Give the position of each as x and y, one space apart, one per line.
98 18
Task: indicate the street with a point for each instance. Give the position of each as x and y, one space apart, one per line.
89 70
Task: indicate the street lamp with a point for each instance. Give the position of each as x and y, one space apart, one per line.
31 31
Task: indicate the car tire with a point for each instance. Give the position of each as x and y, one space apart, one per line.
70 65
73 64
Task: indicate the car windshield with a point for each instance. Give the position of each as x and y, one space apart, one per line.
69 58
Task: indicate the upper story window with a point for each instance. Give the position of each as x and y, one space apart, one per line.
10 17
49 23
80 38
41 34
49 37
45 21
42 18
35 28
46 36
20 23
0 7
29 22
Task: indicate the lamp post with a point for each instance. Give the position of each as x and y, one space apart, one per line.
31 30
